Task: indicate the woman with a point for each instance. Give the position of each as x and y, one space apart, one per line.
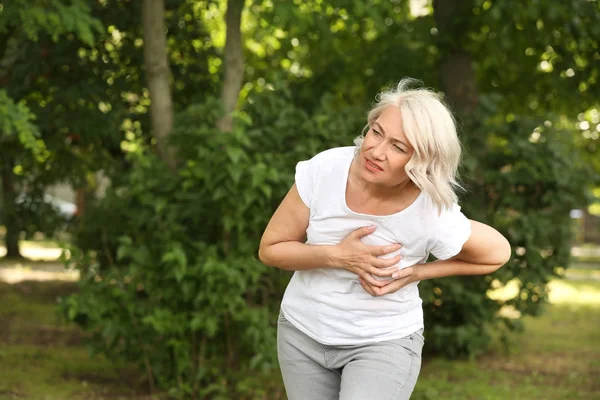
351 320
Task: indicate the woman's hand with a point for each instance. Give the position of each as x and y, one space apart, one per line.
401 278
353 255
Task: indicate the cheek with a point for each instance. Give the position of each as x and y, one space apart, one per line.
398 165
367 142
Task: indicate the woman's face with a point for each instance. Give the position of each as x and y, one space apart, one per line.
385 150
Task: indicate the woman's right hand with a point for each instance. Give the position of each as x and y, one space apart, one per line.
353 255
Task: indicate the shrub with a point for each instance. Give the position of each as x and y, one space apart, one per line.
170 278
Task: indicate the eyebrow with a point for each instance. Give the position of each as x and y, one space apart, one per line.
383 130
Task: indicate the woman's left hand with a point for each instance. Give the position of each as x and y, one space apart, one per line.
402 278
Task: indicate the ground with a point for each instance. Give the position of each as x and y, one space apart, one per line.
42 358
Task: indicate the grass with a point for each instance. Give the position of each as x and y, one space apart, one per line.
558 356
43 358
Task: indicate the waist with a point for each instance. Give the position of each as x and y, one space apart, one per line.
332 307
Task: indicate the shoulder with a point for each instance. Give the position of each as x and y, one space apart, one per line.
321 171
335 154
448 229
431 210
328 161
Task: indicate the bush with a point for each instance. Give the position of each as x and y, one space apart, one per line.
170 278
522 177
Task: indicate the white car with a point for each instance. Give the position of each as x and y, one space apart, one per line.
66 209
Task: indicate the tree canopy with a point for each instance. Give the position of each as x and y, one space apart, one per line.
199 123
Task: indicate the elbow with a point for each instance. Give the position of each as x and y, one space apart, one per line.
504 253
263 254
506 250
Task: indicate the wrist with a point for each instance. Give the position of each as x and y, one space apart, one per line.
420 272
333 256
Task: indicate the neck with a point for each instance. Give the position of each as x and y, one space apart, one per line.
382 192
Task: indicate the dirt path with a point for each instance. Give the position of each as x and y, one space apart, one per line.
39 264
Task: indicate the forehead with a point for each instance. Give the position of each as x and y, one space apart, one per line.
390 120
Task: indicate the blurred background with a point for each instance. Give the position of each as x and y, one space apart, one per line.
145 144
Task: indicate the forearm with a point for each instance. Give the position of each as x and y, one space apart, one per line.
483 253
452 267
297 256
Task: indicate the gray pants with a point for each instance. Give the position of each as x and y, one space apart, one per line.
378 371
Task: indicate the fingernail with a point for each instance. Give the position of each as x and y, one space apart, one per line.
394 275
371 227
399 245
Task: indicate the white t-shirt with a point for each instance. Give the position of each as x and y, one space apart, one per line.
330 305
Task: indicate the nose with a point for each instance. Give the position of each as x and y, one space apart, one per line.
378 151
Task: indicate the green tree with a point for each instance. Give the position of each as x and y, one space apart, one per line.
24 25
170 278
20 137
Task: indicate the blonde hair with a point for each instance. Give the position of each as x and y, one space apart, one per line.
431 130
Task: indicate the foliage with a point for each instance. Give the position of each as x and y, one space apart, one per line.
524 186
30 107
16 122
55 17
168 261
535 53
176 285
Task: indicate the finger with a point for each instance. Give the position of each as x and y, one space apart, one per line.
403 273
386 262
364 231
383 250
366 287
385 271
374 282
376 291
394 286
382 272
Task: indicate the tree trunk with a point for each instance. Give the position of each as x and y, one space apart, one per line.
456 69
234 63
9 217
158 76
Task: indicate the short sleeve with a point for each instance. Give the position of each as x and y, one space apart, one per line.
305 180
313 176
450 232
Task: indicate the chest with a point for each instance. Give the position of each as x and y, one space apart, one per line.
360 201
332 227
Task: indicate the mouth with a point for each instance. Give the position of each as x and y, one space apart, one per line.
373 165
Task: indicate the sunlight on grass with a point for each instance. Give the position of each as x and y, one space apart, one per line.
565 292
34 252
41 262
560 292
22 273
556 357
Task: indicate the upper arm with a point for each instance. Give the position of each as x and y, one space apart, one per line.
485 245
451 229
289 222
